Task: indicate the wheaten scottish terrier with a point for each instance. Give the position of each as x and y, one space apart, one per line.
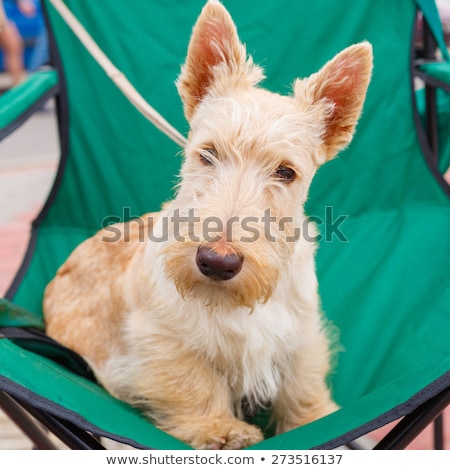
212 302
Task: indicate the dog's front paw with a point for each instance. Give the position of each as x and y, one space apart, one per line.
238 436
220 433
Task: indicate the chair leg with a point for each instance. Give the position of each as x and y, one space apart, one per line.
23 420
21 414
74 437
438 430
413 424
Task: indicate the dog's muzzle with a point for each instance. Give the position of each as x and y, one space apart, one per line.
216 266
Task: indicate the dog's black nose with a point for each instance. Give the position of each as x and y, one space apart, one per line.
217 266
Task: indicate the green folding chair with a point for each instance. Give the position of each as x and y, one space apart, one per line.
383 259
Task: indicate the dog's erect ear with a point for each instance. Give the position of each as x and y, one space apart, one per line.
341 87
216 58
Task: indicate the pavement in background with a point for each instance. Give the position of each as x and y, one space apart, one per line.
28 162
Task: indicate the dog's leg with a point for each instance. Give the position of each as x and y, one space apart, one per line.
203 415
304 395
182 394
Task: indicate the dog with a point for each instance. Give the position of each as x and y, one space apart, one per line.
213 302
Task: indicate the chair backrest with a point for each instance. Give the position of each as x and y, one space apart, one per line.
378 206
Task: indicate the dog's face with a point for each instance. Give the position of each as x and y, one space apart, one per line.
249 162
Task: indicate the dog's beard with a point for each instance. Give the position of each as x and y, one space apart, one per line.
254 283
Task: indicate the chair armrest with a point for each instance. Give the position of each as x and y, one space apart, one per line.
11 315
436 74
21 101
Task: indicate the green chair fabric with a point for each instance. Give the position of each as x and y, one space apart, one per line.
383 255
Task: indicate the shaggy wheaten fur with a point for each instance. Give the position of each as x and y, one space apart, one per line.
160 331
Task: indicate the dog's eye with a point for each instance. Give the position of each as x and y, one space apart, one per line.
285 174
207 156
